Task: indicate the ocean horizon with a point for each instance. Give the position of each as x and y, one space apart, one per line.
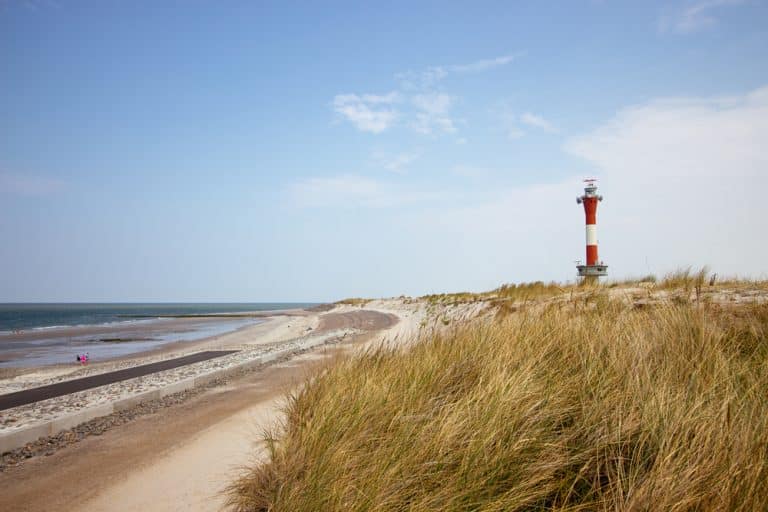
21 316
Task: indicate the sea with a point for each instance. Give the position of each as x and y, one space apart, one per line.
55 333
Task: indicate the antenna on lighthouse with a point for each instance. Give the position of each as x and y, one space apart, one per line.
594 269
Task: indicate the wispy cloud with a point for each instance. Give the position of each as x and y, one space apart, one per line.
367 112
433 113
513 123
430 76
429 112
396 163
535 121
421 80
693 17
429 109
483 64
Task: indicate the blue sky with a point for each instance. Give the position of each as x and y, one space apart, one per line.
251 151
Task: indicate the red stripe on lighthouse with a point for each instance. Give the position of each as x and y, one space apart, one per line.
591 255
590 209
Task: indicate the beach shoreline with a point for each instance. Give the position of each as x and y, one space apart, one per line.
19 351
22 377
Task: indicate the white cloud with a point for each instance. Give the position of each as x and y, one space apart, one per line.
509 121
375 99
484 64
429 111
432 75
685 181
396 163
537 122
693 17
421 80
368 112
432 113
426 124
433 103
376 114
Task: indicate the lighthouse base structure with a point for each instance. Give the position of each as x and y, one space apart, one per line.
591 273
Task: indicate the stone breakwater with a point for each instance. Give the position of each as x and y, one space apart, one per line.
18 418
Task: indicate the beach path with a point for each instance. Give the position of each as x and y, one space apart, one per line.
29 396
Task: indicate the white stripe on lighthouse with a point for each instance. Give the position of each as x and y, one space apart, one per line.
591 234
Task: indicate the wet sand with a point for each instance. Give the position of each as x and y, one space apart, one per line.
141 326
132 334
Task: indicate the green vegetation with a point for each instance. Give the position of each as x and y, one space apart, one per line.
587 404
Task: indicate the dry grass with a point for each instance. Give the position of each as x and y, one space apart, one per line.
528 291
522 292
685 279
452 298
354 301
589 405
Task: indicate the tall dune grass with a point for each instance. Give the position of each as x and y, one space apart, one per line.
685 279
586 406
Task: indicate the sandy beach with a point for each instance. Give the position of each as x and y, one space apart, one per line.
182 456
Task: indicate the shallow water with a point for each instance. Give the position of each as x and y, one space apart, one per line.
62 345
41 316
44 334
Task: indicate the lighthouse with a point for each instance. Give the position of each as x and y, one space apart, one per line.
594 267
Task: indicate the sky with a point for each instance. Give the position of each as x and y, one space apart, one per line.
311 151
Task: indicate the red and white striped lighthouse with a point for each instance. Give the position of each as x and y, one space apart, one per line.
594 268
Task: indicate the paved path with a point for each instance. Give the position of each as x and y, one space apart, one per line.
29 396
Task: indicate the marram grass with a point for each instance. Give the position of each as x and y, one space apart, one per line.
578 407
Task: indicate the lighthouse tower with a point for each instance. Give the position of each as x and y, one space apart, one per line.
594 268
